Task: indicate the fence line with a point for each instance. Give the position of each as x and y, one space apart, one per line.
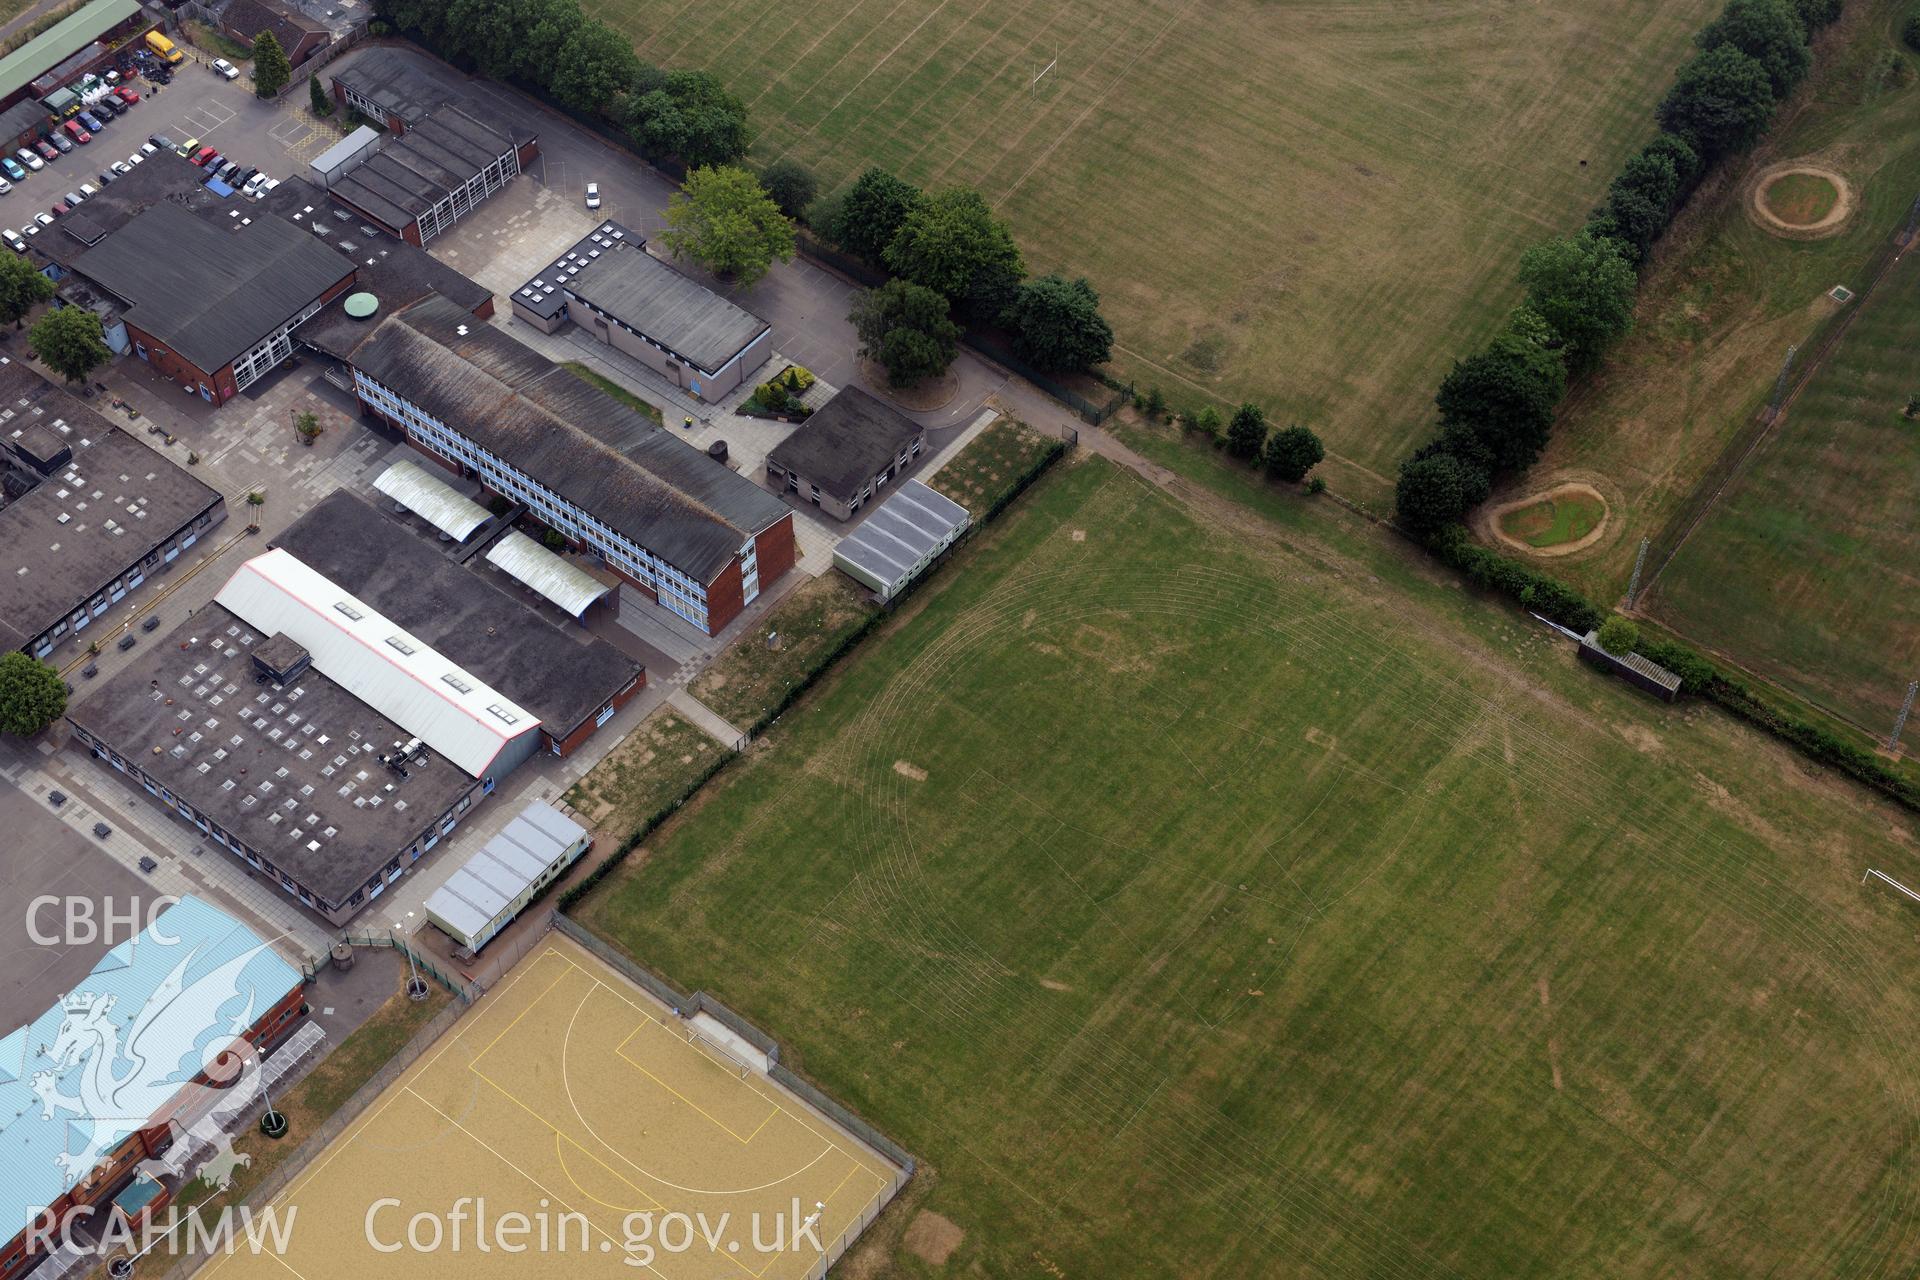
457 986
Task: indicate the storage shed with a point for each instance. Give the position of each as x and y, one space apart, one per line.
1631 667
904 535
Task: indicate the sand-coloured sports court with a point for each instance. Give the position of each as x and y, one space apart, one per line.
573 1097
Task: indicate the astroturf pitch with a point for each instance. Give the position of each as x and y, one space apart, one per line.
1194 893
571 1097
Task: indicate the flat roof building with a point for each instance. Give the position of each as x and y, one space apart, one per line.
668 519
845 452
416 184
97 1084
210 306
901 539
611 287
111 21
487 891
101 513
570 681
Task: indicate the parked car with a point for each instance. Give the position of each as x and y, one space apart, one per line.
204 155
102 830
160 140
48 150
60 209
126 95
246 175
268 185
43 219
5 186
136 158
593 195
31 229
75 130
15 241
225 69
15 170
31 158
188 147
106 176
110 105
121 168
214 162
256 186
88 191
229 171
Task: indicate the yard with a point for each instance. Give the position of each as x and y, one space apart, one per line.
652 767
1196 893
1318 207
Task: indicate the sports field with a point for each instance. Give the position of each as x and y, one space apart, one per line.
571 1097
1318 206
1195 894
1806 570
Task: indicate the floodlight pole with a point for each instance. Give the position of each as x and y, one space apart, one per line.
1900 721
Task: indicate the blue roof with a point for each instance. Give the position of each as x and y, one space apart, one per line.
115 1050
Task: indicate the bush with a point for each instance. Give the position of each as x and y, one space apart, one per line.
791 185
1316 485
1207 422
1618 636
1247 432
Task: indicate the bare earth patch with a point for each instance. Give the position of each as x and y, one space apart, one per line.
906 770
933 1238
934 393
1492 524
1788 200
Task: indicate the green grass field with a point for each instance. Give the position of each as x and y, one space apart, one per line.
1203 893
1806 568
1567 517
1317 206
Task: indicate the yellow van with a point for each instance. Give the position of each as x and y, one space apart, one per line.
164 47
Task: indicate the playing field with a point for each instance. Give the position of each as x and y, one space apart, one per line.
571 1097
1196 895
1806 569
1319 206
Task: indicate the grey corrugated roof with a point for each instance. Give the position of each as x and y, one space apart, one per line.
891 543
602 456
24 65
207 291
679 313
412 86
418 169
563 677
22 116
845 443
564 583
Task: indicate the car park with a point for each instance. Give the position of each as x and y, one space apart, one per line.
30 158
15 241
225 69
14 168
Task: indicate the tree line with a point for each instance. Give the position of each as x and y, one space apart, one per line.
1495 408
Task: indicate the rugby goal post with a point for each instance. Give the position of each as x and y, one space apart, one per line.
1033 86
1882 876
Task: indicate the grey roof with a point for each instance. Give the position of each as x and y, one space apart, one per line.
207 291
561 676
481 889
543 295
21 116
845 443
411 85
25 64
163 178
345 149
56 553
605 458
302 729
1646 668
421 167
895 541
560 580
654 300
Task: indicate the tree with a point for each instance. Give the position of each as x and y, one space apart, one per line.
271 70
21 289
1815 14
1618 635
688 115
1505 396
1641 202
32 695
1291 452
1720 102
492 33
69 342
317 97
1247 432
723 219
596 62
871 213
951 243
791 185
549 25
1057 325
1476 460
1768 31
1583 287
1207 422
906 329
1431 494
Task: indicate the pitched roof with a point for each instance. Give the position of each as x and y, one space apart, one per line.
210 292
19 68
846 442
651 298
388 668
598 454
420 168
